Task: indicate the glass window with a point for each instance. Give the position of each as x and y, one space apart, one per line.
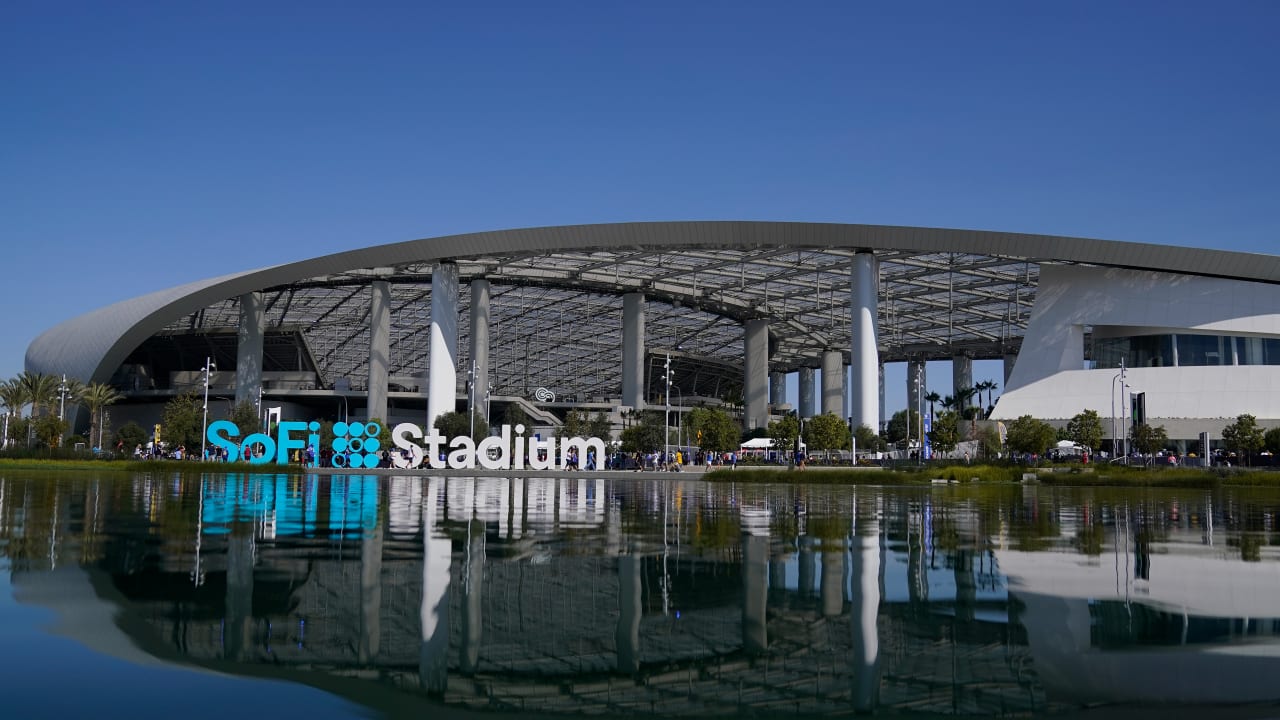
1198 350
1151 351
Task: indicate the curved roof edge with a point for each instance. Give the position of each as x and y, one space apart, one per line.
90 347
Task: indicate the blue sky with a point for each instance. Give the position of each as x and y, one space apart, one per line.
147 144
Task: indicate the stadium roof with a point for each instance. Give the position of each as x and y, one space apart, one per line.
556 307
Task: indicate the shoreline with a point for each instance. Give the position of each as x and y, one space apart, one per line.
1103 476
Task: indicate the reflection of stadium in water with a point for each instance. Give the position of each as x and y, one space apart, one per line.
589 595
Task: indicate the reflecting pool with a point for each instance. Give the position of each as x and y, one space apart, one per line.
349 596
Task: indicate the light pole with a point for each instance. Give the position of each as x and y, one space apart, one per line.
209 367
1121 377
471 397
666 427
679 417
62 397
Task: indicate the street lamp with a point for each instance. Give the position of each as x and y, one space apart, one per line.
1123 429
62 397
666 427
471 397
209 367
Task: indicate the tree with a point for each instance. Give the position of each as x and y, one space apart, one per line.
987 386
1029 435
932 398
714 430
1271 441
826 432
13 397
96 397
458 424
1244 436
1085 429
183 421
41 390
784 433
1149 440
989 441
130 435
868 439
945 434
245 416
600 427
646 435
903 424
49 430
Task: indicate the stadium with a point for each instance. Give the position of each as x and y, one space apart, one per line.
619 317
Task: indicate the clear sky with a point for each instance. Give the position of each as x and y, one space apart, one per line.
148 144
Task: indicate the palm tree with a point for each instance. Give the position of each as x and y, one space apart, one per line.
13 397
95 397
41 390
932 398
986 386
964 398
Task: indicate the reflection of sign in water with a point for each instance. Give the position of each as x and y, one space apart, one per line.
544 395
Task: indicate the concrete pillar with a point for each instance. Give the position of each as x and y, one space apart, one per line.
846 396
1009 360
379 349
777 390
442 361
249 350
917 384
831 383
633 350
961 375
479 343
755 381
472 599
237 643
437 555
755 593
832 579
370 594
805 560
808 405
864 354
630 608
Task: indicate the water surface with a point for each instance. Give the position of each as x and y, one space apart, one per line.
358 595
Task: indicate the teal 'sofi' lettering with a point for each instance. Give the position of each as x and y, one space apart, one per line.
222 433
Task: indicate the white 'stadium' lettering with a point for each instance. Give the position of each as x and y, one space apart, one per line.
508 450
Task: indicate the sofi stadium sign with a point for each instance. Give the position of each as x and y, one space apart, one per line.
357 445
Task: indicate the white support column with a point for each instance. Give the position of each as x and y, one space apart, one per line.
479 343
865 656
379 349
633 311
808 402
864 354
249 349
442 360
961 375
777 390
832 364
755 381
